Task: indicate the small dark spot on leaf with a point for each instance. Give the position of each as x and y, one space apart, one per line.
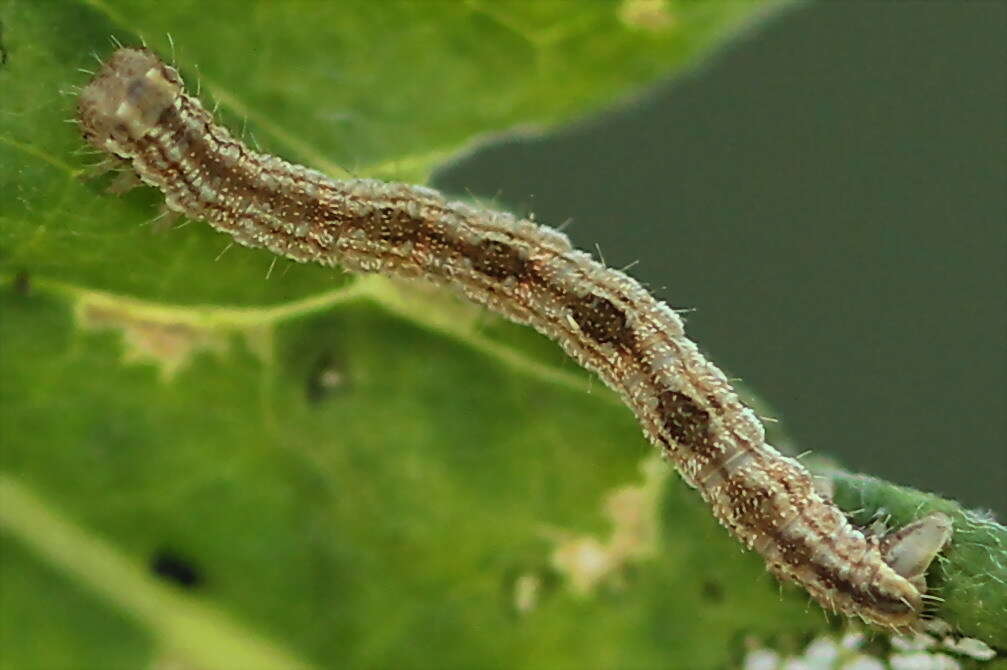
22 284
3 49
712 591
174 568
325 378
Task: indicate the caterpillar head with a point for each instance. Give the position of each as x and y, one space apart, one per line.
125 100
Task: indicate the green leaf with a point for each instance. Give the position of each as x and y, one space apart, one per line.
337 471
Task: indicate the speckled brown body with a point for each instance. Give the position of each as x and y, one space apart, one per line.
136 109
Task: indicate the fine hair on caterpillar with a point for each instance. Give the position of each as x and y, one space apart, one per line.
136 109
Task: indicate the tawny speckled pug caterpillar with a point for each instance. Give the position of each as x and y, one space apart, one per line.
136 109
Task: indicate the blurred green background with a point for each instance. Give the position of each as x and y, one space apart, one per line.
829 193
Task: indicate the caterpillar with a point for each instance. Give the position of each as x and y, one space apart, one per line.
136 109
